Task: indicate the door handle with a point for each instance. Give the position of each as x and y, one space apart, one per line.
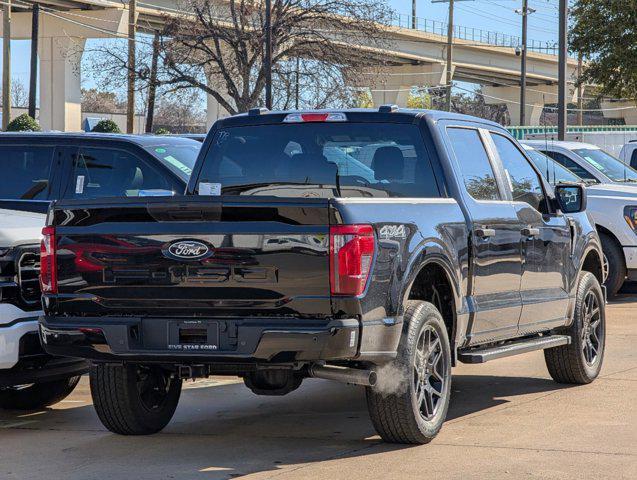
530 232
485 232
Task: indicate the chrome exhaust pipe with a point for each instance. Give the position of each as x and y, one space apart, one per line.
354 376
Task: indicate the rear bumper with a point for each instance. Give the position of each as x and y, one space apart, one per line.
259 340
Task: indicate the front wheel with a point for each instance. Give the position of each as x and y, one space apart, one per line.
37 395
134 399
410 401
614 264
581 361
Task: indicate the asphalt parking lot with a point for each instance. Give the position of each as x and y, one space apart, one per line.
507 420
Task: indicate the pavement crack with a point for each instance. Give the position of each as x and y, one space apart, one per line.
535 449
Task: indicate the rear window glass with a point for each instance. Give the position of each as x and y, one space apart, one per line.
179 158
319 160
25 172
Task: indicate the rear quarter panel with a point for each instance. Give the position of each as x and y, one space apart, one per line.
410 234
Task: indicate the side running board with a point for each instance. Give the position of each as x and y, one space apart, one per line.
514 347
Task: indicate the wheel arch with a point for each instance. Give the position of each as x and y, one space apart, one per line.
435 281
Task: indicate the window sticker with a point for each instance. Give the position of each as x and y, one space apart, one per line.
173 161
79 184
160 150
212 189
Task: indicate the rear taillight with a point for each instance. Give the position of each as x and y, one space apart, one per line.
351 254
48 268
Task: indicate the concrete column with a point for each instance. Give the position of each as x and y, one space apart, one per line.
394 87
60 92
537 96
626 110
394 94
214 111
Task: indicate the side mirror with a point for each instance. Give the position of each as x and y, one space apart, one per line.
571 198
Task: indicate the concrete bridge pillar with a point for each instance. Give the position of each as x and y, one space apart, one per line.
537 97
625 110
60 83
214 111
395 85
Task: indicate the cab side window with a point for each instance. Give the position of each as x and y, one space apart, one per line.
26 172
523 180
569 164
475 167
104 172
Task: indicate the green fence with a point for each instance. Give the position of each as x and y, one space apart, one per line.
520 132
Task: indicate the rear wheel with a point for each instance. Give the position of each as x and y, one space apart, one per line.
581 361
413 409
37 395
614 264
134 399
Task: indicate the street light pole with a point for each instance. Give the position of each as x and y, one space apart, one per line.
562 71
132 27
413 14
526 11
449 56
267 60
6 64
33 70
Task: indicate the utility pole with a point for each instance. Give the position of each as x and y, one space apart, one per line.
449 56
296 84
414 24
6 64
562 114
580 92
33 79
130 107
525 12
152 86
267 59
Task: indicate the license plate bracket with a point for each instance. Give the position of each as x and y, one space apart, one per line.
193 335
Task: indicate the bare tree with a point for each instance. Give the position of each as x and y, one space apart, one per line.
218 47
178 112
99 101
19 94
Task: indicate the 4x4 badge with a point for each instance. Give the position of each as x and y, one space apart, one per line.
188 250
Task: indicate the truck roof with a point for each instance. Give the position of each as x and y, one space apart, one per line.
385 113
563 144
141 140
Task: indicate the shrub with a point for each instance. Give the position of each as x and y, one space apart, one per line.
24 123
162 131
106 126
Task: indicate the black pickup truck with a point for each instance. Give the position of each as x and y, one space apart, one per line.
372 247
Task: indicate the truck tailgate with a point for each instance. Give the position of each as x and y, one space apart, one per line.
201 256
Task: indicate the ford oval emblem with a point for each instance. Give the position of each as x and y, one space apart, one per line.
188 250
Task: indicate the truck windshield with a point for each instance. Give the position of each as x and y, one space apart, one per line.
179 158
610 166
552 171
319 160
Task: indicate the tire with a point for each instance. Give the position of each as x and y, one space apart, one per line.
616 264
134 399
37 395
581 361
393 406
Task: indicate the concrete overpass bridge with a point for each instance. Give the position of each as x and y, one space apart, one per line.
416 57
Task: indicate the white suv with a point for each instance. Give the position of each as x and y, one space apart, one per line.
29 378
612 202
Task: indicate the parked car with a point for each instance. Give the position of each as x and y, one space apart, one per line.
38 168
612 204
277 267
628 154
